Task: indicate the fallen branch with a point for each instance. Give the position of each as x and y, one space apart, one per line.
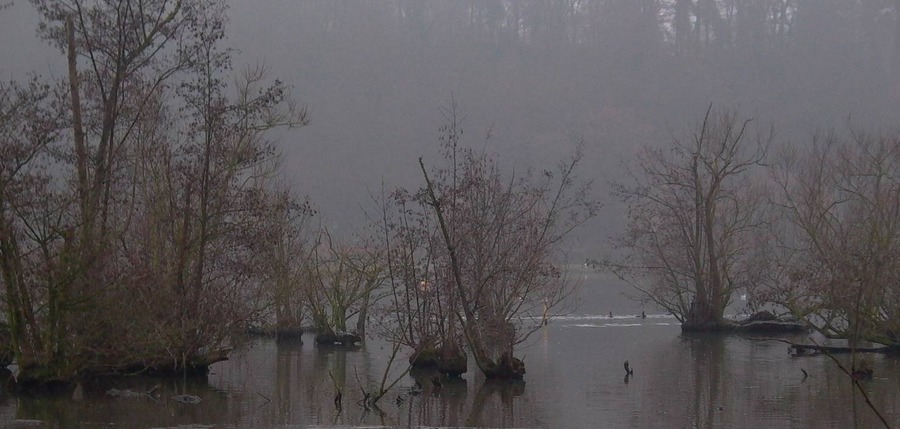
190 365
812 349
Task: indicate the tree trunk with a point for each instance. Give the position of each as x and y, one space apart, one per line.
508 367
361 317
683 24
78 129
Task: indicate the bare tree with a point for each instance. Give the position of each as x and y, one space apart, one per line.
31 231
840 243
140 250
419 309
341 283
693 221
123 46
286 245
499 255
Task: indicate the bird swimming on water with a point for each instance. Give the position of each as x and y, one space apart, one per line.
628 370
436 382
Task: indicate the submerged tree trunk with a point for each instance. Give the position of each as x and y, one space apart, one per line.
507 367
696 225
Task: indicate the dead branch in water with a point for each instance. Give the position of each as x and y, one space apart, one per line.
811 349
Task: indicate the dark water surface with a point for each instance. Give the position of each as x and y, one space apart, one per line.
575 379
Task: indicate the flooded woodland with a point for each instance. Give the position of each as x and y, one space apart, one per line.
448 213
575 379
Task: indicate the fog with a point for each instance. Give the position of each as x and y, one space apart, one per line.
534 77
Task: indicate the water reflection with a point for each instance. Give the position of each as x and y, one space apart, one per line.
428 401
301 391
287 369
708 370
575 379
506 412
120 402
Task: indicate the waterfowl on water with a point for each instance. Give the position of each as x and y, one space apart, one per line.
436 382
864 372
628 370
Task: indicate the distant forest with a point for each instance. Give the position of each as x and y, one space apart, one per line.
539 74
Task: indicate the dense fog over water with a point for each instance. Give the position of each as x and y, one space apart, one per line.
533 78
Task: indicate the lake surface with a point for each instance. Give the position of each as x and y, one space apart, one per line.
575 379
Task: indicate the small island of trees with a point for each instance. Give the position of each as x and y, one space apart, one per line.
812 234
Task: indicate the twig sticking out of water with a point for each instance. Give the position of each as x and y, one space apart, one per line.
366 395
339 396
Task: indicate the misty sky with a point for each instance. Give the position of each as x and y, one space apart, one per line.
533 77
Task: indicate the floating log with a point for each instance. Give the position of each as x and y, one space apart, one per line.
796 349
811 349
749 327
193 365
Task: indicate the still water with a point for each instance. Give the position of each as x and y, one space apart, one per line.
575 379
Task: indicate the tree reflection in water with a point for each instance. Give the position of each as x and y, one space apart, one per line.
708 372
574 380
